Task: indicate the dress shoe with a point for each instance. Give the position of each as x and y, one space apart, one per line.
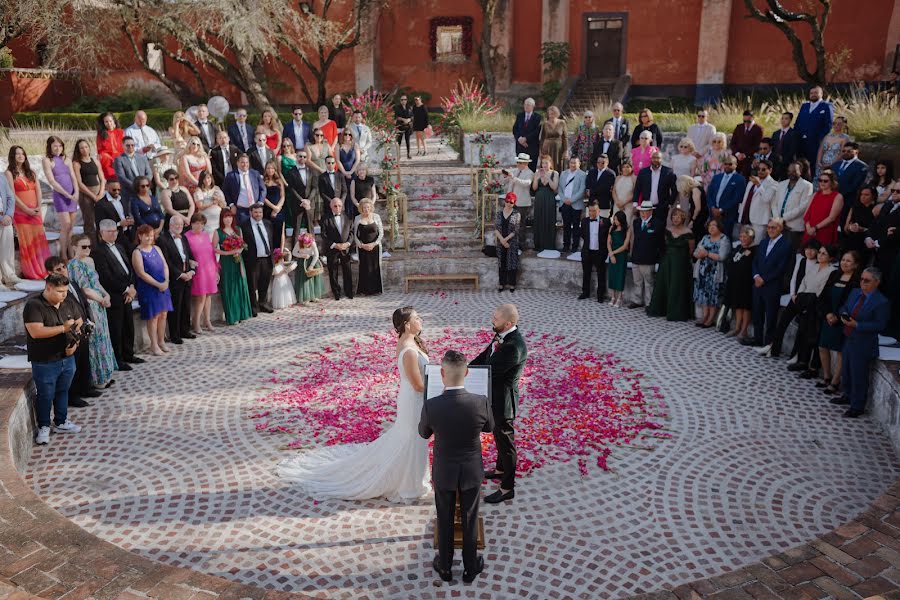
349 296
499 496
177 341
852 414
78 403
840 401
796 367
135 360
808 374
751 342
124 367
469 576
634 305
91 394
793 360
189 336
266 308
584 297
444 574
254 314
492 475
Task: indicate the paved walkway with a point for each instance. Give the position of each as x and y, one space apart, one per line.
170 467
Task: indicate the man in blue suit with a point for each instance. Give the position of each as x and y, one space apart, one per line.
851 175
813 124
772 259
725 194
243 188
527 131
297 131
864 316
240 132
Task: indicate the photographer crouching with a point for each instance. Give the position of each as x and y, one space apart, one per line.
54 329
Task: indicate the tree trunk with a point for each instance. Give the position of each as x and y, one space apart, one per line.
251 84
485 54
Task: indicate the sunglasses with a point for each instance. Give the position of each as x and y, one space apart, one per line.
701 116
824 180
320 135
143 185
83 247
866 279
895 191
303 156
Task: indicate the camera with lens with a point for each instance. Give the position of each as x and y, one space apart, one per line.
82 334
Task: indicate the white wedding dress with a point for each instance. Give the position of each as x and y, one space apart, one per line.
395 466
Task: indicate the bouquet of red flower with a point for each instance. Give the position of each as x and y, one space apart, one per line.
234 242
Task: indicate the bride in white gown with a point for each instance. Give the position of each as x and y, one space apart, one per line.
395 466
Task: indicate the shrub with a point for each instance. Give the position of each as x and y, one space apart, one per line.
550 90
7 61
467 100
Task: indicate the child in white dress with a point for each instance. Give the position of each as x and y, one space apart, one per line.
282 289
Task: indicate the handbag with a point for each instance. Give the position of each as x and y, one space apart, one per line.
429 131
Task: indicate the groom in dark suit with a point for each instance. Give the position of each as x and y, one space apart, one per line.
336 233
457 419
506 356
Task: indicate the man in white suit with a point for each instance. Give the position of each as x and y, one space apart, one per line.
792 198
518 181
570 200
362 135
756 207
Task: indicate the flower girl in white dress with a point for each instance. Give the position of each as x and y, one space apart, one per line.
282 289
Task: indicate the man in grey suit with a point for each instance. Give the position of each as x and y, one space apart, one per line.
570 200
457 419
129 165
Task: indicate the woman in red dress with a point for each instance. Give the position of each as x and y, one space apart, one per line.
328 127
268 124
821 218
109 143
33 247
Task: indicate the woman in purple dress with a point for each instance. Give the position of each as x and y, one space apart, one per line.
152 275
61 176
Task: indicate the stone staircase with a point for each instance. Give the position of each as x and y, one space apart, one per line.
587 95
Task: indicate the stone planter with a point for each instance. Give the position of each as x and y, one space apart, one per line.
502 147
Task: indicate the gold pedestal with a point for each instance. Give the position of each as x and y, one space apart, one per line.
457 528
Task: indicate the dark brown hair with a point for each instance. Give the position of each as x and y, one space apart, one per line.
400 318
11 165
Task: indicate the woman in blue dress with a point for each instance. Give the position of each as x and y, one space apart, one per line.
152 275
709 272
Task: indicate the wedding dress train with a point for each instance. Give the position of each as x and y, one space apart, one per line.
394 466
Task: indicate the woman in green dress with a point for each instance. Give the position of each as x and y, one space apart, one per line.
545 182
309 288
288 163
617 247
672 292
232 275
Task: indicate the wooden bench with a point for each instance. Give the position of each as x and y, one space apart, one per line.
473 277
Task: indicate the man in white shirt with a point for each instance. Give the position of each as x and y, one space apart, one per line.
756 207
181 263
258 258
207 128
791 200
570 200
361 134
619 123
116 275
518 181
701 132
145 137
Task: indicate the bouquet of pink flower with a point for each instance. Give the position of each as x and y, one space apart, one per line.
234 242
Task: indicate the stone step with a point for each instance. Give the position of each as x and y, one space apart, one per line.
451 216
423 191
442 203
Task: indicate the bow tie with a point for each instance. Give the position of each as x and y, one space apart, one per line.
593 220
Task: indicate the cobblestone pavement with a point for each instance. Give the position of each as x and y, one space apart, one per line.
170 467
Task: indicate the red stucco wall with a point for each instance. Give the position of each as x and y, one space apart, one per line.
526 46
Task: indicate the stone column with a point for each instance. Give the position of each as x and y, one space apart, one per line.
502 37
364 60
555 24
893 37
712 53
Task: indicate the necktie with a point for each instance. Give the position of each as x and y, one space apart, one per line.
722 187
856 308
787 194
643 225
745 216
358 132
243 135
262 235
495 343
249 191
593 220
778 144
843 166
527 116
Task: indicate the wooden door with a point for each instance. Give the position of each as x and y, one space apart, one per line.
604 48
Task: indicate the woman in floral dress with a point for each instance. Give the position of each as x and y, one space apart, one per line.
709 272
586 136
710 164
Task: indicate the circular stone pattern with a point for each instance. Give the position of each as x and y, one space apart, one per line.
171 466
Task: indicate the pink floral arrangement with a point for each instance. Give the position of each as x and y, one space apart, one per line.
234 242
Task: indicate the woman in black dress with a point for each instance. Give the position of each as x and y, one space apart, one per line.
859 219
420 123
368 234
176 200
645 123
90 182
362 186
403 116
739 283
506 230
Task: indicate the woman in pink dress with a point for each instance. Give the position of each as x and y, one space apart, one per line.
206 275
640 154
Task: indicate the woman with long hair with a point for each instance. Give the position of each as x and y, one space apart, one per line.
553 137
269 125
33 246
832 144
824 210
193 161
91 185
232 274
209 201
109 143
206 276
711 163
329 130
273 203
182 129
60 175
645 123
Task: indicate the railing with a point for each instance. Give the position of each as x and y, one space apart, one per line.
488 210
480 176
392 179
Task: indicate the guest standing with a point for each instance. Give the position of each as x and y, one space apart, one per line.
645 123
822 217
599 185
403 116
116 275
193 162
672 293
709 272
152 276
619 123
623 190
33 247
739 283
759 199
607 144
701 133
545 183
308 283
419 124
595 248
232 276
617 248
271 127
337 235
90 183
642 151
506 232
209 201
725 193
646 242
368 234
129 166
144 207
183 128
690 198
527 131
586 136
769 265
258 258
222 159
328 128
570 201
685 162
363 186
273 203
82 271
859 221
176 199
7 234
712 161
181 271
831 145
60 175
813 123
206 275
109 143
792 198
553 137
519 183
348 163
745 141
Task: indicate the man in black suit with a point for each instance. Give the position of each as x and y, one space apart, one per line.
81 386
113 207
331 185
766 153
207 129
621 129
113 263
527 131
599 184
506 356
611 147
884 236
223 158
257 233
260 154
647 230
457 419
297 193
656 184
784 144
336 233
240 132
177 252
851 174
594 234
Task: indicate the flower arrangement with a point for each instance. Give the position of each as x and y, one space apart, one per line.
465 99
234 242
377 109
482 138
489 161
493 186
